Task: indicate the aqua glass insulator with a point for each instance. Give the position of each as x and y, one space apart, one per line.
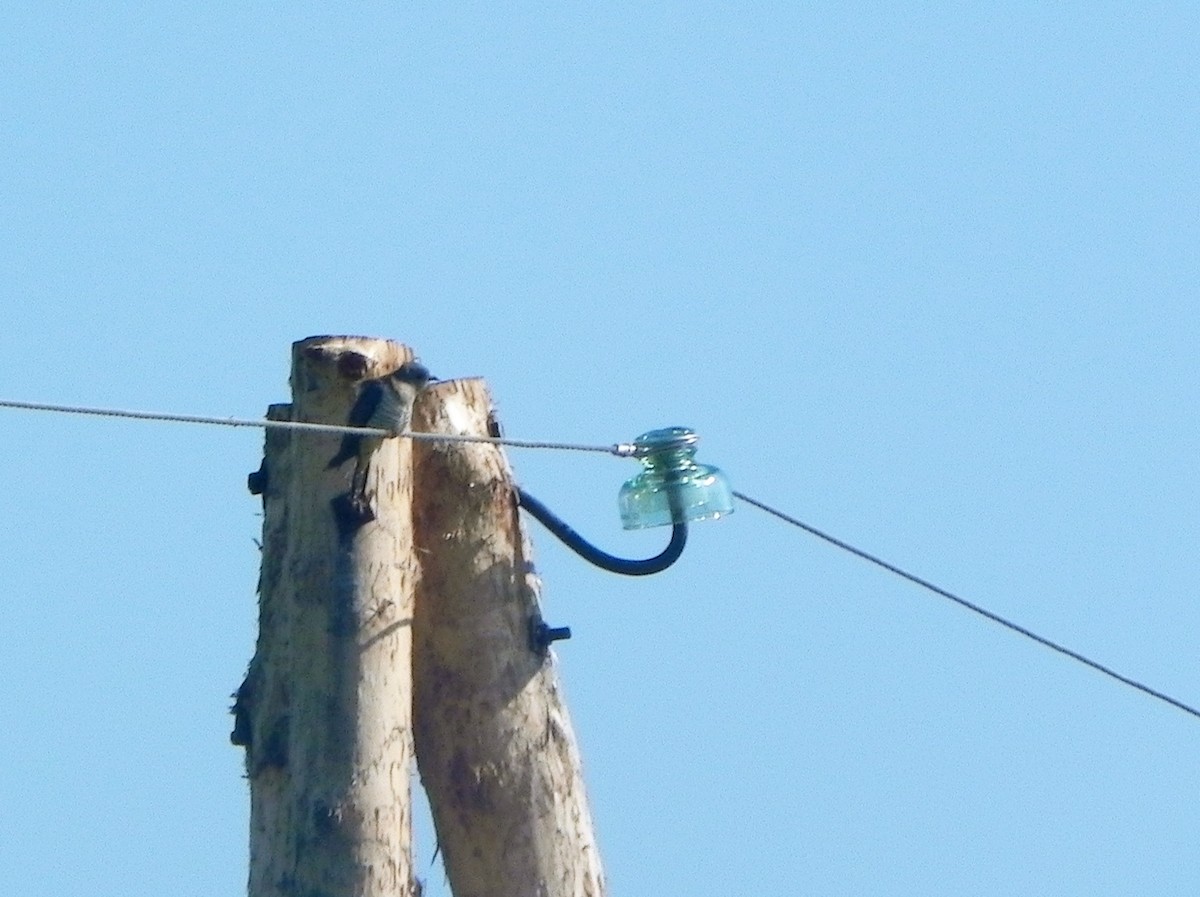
672 488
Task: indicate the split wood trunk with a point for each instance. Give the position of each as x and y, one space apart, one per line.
414 624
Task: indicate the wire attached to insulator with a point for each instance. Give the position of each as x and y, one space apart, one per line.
594 555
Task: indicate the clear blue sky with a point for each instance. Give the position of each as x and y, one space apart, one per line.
925 278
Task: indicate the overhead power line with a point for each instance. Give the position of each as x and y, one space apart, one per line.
622 449
971 606
619 449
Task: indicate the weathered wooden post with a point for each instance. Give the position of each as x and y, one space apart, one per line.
324 713
494 743
421 571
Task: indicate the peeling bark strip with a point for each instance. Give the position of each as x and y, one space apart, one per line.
325 710
494 743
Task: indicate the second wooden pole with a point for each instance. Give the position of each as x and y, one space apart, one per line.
494 743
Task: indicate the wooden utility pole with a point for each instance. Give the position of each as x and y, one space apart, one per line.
324 713
417 617
494 743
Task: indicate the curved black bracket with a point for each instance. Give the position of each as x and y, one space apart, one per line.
594 555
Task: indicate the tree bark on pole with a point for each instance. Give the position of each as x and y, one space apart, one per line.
325 711
494 743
